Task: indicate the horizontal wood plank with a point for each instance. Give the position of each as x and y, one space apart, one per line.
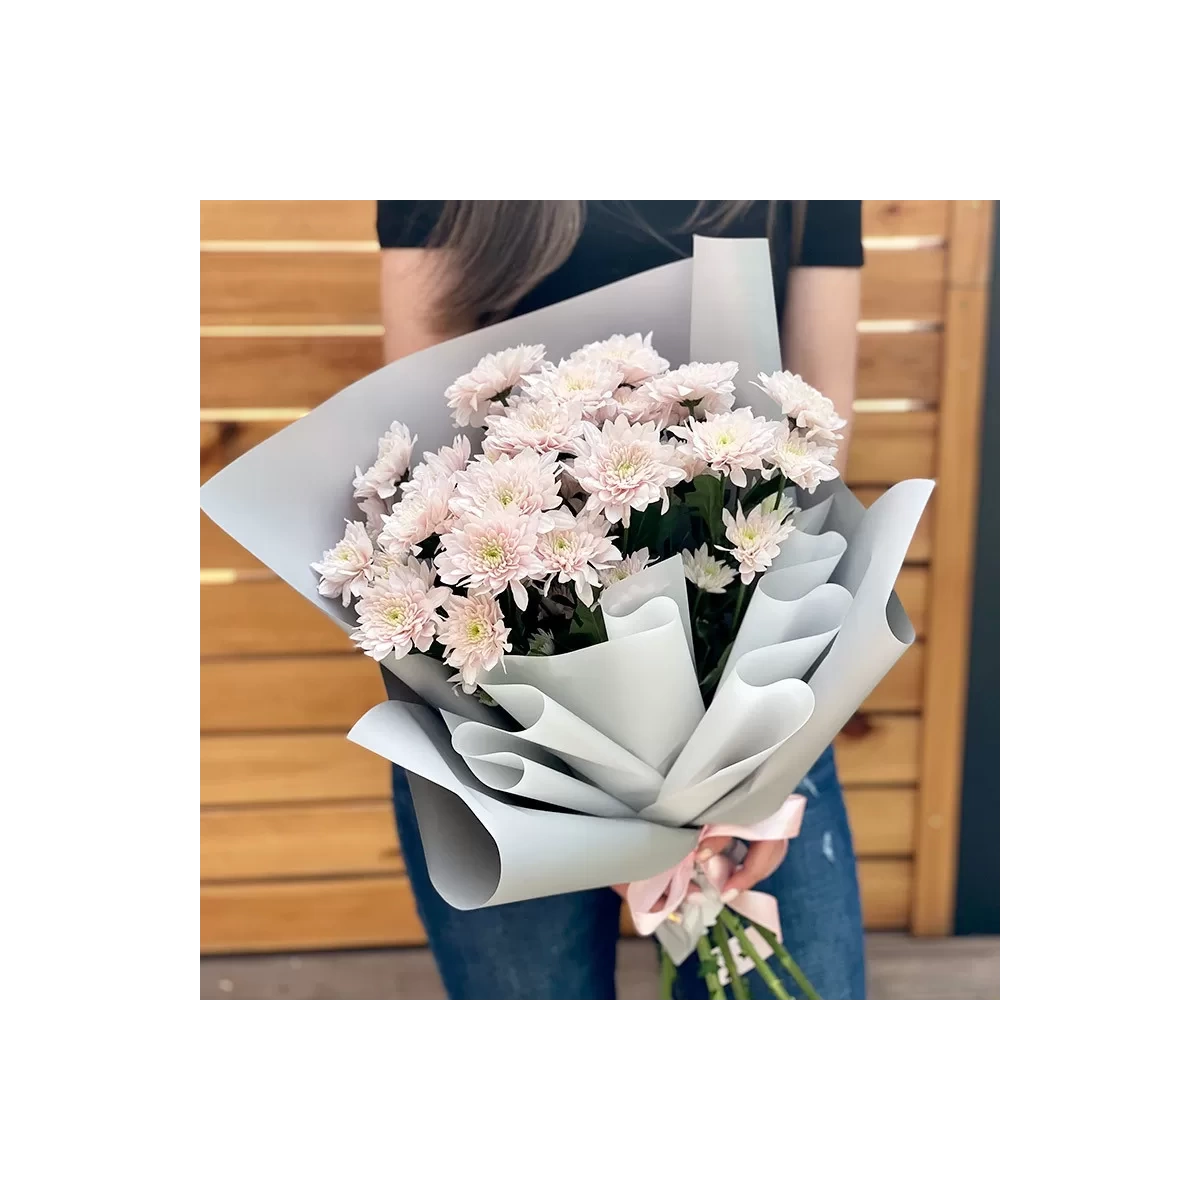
267 618
920 547
379 911
298 288
281 768
904 285
302 372
888 447
354 220
280 843
322 692
893 366
905 218
292 288
900 688
881 820
878 749
288 220
309 915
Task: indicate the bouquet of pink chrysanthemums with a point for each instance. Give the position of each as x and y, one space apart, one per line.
622 614
590 470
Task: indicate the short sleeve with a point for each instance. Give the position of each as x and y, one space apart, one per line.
405 222
832 234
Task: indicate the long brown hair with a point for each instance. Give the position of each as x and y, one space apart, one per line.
498 250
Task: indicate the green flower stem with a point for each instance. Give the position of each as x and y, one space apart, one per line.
708 968
743 593
789 963
666 977
748 949
779 489
736 983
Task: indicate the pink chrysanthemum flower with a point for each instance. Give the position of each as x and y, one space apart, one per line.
376 510
423 512
755 539
731 443
548 425
639 560
812 412
574 547
588 382
472 395
397 613
405 564
346 569
699 389
474 636
623 467
641 405
526 483
634 354
707 572
805 463
383 476
492 550
448 459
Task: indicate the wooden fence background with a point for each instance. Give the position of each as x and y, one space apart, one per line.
298 849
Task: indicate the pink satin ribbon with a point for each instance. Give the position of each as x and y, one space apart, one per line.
673 884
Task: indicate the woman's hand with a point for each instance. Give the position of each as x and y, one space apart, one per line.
762 859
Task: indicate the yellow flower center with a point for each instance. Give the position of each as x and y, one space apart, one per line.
724 439
750 535
491 554
476 630
562 542
396 614
343 554
505 496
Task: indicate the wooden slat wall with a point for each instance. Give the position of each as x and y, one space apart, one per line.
298 844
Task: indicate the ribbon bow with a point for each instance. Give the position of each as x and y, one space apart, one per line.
671 885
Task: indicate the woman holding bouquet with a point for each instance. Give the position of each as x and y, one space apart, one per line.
451 266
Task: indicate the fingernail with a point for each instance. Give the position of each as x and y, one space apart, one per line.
704 854
731 895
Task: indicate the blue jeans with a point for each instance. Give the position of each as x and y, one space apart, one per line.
565 947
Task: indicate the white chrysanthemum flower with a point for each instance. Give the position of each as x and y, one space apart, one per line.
526 483
346 569
634 354
807 464
731 443
423 511
639 560
755 539
383 476
492 550
590 383
698 389
623 467
474 636
541 644
397 613
548 425
812 412
472 395
574 547
707 572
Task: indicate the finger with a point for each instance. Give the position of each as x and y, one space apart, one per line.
760 861
620 889
710 847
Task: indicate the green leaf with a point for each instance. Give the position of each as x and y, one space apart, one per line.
588 625
706 498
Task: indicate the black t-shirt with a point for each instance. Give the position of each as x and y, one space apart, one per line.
615 244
